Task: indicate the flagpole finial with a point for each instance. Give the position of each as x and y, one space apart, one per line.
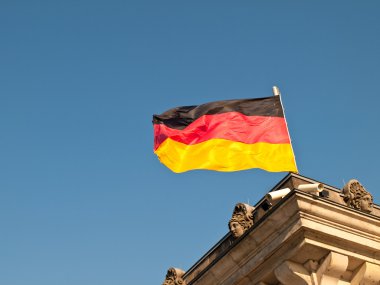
276 91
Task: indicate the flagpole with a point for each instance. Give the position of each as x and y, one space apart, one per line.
276 92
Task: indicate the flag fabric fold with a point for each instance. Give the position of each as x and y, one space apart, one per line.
228 135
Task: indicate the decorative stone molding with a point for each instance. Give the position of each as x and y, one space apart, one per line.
242 219
290 244
174 277
291 273
331 271
367 273
356 196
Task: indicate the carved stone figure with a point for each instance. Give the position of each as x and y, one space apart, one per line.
242 219
356 196
174 277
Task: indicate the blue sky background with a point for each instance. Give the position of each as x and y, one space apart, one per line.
83 199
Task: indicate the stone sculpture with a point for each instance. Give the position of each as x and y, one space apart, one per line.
174 277
356 196
242 219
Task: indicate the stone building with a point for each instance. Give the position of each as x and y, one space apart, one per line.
301 232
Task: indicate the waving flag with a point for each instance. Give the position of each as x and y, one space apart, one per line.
227 135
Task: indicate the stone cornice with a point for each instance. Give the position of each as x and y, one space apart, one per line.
293 222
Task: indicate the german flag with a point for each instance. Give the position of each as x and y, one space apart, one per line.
226 136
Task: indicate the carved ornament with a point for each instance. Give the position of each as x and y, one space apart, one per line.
242 219
356 196
329 270
174 277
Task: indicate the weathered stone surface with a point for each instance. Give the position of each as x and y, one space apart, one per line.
356 196
304 238
242 219
174 277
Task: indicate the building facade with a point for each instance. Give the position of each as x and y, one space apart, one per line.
301 232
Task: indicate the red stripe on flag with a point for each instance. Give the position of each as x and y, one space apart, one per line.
232 126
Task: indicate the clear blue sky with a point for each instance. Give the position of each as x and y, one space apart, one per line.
83 199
